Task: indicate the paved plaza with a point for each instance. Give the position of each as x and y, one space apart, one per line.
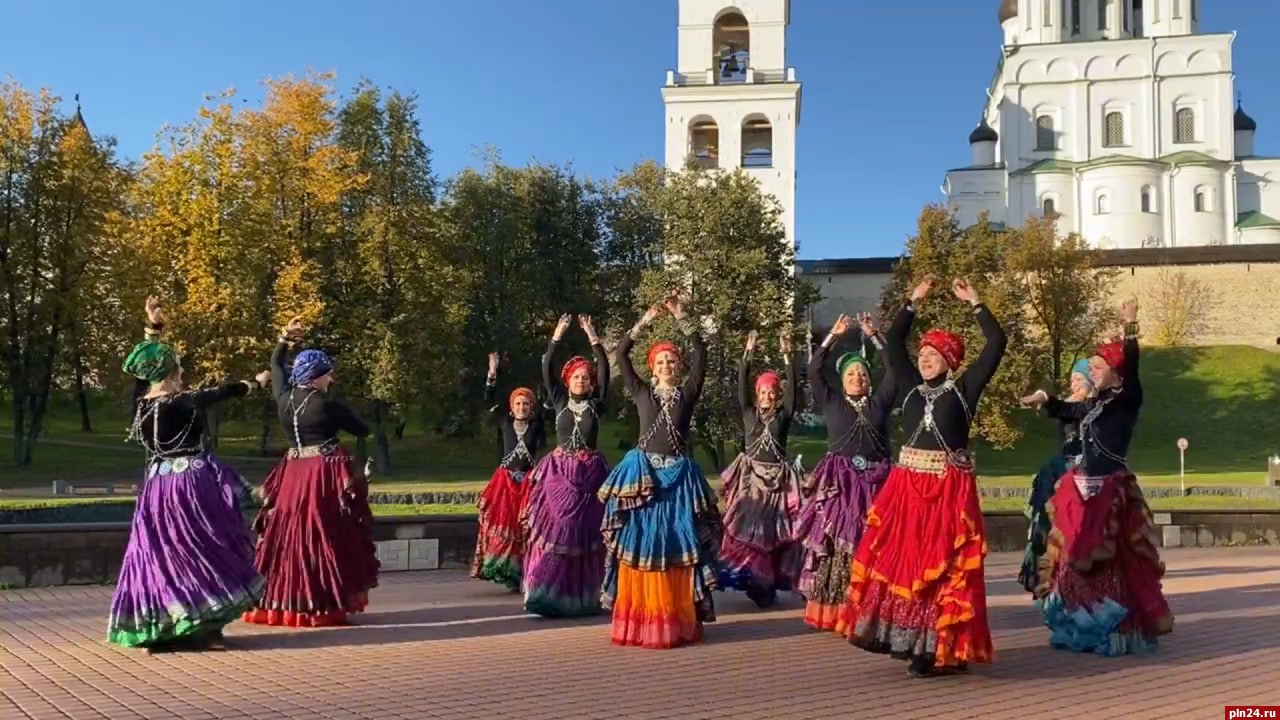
438 645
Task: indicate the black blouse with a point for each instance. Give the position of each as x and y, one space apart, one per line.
577 418
309 416
665 416
1107 420
172 426
766 434
937 414
519 447
856 427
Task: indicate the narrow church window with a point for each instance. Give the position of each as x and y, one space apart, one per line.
1048 13
1155 11
1148 195
1193 9
1113 130
1124 13
1177 9
1075 17
1184 126
1049 207
1103 205
1200 204
1046 138
1102 14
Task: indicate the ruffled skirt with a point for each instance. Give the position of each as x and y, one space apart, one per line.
564 567
758 554
500 541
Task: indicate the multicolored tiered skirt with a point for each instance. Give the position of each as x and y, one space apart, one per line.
315 544
564 567
188 569
662 536
500 543
829 529
917 590
1100 577
1042 488
758 554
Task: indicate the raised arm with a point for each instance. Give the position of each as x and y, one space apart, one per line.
895 348
744 372
224 392
886 391
291 334
697 362
789 387
1132 395
823 394
602 371
491 389
979 374
623 352
555 390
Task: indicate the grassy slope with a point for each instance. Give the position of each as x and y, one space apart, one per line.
1222 399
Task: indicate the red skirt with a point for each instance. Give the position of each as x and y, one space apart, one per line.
500 543
917 590
1100 576
315 544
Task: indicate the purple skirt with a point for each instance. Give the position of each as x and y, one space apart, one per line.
762 504
188 568
832 522
564 556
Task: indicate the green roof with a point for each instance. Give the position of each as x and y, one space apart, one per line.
1191 157
1058 165
1255 219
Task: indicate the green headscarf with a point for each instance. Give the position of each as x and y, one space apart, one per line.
151 360
850 358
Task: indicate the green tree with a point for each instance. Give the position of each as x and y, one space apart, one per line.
979 254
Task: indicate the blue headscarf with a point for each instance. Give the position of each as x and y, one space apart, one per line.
1081 368
309 365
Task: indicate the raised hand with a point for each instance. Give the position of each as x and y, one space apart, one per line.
263 378
651 314
964 291
293 330
562 325
842 325
753 339
673 306
866 324
1034 400
784 342
155 312
1129 312
923 289
588 327
493 364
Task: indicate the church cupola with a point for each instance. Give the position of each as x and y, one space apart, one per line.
1245 128
982 145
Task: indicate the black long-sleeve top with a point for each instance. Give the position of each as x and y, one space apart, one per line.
1107 420
665 416
855 426
519 446
766 433
172 426
577 418
954 401
309 416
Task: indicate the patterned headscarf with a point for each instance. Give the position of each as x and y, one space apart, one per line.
521 391
1112 353
309 365
661 347
575 363
768 378
151 360
948 344
850 358
1081 368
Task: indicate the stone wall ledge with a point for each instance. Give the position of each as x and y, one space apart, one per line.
50 554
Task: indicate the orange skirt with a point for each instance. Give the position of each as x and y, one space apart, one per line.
917 590
655 609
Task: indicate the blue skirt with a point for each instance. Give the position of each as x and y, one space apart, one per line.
1042 488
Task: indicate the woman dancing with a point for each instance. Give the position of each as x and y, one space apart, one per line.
188 568
848 477
917 590
315 543
1046 481
565 563
661 524
1100 588
761 488
500 542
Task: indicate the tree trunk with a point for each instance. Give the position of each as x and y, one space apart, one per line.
400 428
381 445
82 396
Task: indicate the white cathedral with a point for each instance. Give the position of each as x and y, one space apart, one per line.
1120 118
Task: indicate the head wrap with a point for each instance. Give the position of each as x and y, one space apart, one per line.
1081 368
850 358
309 365
948 344
575 363
1112 353
661 347
526 392
151 360
768 378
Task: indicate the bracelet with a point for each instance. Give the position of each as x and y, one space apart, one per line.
829 340
252 385
685 326
149 332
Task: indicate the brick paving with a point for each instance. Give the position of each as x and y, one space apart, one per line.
438 645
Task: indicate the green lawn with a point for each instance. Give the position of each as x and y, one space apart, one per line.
1223 399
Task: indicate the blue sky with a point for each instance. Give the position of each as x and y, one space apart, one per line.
891 89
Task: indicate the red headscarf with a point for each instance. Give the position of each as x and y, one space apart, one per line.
511 399
949 345
1112 353
575 363
768 378
662 347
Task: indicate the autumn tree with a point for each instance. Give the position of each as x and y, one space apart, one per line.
1066 294
724 247
979 254
58 190
1178 306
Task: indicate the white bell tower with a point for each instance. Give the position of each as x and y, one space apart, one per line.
732 101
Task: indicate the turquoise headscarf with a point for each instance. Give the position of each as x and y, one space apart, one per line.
1081 368
151 360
